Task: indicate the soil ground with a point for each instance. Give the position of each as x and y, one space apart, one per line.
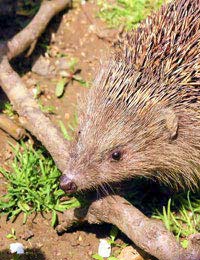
74 34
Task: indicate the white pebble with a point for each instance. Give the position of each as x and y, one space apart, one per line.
104 248
34 90
17 248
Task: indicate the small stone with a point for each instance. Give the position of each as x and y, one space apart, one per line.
31 82
17 248
92 28
129 253
54 51
53 37
7 155
48 97
37 92
46 55
90 252
43 67
63 63
67 116
65 74
27 235
104 249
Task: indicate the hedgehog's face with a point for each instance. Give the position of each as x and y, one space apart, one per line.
112 145
99 153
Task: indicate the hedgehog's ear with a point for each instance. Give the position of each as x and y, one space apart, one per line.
171 120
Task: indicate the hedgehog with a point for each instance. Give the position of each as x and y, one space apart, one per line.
142 116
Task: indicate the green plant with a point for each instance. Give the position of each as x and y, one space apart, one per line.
12 234
81 81
182 215
70 128
70 75
37 91
64 131
7 108
33 185
16 257
113 235
46 109
126 12
98 257
60 87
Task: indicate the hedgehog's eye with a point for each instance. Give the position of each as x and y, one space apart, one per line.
116 155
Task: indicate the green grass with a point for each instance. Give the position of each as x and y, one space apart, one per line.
126 12
7 109
33 186
180 211
68 132
182 215
46 109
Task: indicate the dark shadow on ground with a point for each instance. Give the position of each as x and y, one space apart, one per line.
3 99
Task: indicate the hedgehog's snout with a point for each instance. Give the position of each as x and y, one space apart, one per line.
67 184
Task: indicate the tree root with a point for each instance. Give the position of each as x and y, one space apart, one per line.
30 34
11 128
30 116
150 235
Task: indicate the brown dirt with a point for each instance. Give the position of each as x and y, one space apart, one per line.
46 244
74 36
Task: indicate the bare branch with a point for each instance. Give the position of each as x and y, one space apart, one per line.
150 235
31 116
21 41
11 128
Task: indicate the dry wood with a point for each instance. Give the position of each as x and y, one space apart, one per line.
31 116
10 127
148 234
24 39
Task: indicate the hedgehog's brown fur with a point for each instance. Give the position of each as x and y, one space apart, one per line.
145 103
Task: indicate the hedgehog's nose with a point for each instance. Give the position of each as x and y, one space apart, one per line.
67 185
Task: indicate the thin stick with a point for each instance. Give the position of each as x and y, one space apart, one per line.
150 235
23 40
11 128
31 117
